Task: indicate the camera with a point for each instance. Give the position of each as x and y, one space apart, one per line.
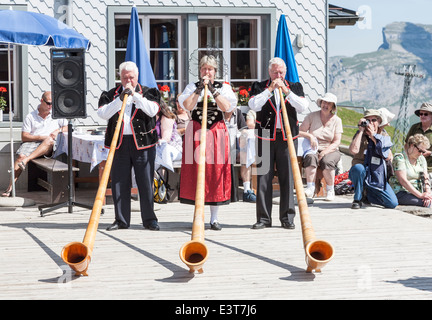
364 123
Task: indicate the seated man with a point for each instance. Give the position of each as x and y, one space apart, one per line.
39 132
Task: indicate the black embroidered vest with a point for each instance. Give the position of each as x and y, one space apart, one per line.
213 113
266 118
143 126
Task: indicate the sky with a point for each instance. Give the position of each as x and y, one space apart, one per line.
366 36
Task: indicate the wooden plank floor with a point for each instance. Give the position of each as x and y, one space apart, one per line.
379 254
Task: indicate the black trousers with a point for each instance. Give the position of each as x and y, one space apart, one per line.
274 154
126 158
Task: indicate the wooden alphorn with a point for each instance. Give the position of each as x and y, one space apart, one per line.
194 252
318 252
78 254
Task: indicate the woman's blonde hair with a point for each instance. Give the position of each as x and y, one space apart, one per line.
418 139
210 61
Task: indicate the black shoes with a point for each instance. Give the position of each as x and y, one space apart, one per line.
115 226
262 225
356 204
215 226
288 225
152 226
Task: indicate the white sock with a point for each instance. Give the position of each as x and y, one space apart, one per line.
246 186
311 185
214 213
330 187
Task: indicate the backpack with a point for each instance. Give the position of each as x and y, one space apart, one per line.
161 188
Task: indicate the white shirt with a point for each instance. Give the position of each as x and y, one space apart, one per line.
151 108
257 102
38 126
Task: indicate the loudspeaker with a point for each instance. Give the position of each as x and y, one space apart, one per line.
68 86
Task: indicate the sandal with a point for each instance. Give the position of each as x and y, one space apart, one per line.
22 166
6 193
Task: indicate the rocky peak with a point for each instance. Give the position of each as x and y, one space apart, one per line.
369 79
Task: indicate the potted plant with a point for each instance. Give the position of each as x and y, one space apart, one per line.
243 96
3 102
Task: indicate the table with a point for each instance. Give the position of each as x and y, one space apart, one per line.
85 148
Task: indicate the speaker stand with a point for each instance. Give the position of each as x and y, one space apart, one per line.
70 203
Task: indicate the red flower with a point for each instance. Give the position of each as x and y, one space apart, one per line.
165 88
244 92
3 89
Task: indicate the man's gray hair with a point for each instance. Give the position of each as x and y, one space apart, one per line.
277 61
128 66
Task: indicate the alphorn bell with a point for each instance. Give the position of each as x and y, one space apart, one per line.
78 254
194 252
318 252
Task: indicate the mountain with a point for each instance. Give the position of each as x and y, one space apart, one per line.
369 80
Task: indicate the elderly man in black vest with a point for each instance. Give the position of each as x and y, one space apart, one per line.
272 144
136 145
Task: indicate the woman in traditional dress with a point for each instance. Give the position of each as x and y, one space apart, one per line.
221 98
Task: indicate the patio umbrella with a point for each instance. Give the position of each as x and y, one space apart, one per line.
284 50
136 51
31 28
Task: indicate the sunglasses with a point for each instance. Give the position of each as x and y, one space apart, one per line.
420 150
48 103
424 114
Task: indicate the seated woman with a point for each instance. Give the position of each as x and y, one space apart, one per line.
423 127
325 127
411 181
182 118
169 148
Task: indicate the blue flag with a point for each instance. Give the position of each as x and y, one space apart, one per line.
136 51
284 50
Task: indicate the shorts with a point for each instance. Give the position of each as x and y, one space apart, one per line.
26 148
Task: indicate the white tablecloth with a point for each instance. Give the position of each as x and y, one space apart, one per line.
85 148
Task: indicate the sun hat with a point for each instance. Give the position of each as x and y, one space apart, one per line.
386 116
329 97
373 112
426 106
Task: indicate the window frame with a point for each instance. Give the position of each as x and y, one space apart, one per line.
20 80
189 24
226 42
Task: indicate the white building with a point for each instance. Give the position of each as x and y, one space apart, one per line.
245 32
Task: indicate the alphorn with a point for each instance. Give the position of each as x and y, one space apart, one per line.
194 253
318 252
78 254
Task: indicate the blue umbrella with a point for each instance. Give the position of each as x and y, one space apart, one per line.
31 28
284 50
137 52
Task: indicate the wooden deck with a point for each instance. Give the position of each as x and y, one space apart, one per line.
379 254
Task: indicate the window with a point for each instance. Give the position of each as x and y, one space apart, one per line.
162 37
236 40
7 76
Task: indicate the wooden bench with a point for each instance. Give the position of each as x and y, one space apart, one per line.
57 181
320 184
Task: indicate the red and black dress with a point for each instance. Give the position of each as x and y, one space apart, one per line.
218 165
